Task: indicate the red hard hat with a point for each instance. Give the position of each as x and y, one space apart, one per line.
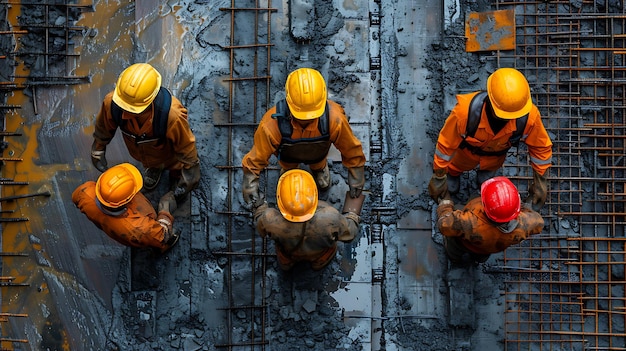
501 200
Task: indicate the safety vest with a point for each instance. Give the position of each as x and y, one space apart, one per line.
303 150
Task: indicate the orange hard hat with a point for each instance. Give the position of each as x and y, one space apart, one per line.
509 93
296 195
501 200
137 87
118 185
306 93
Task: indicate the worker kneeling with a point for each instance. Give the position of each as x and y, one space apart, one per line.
115 205
487 224
305 229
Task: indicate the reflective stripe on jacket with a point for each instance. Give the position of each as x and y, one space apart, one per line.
136 227
447 152
179 150
267 139
478 234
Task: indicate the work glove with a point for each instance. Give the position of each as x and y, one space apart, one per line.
258 211
189 179
538 191
168 202
356 180
438 185
250 189
98 157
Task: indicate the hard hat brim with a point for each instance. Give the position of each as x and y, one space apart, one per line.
515 114
306 115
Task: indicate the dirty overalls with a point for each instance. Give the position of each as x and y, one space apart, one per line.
176 152
313 241
470 231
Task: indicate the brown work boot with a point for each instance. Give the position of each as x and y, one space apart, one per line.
151 177
322 178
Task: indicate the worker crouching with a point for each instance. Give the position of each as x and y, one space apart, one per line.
303 228
115 205
487 224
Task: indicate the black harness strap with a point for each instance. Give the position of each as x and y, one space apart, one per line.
283 116
161 103
473 120
302 150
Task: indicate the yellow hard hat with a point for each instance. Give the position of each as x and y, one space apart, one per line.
509 93
137 87
118 185
296 195
306 93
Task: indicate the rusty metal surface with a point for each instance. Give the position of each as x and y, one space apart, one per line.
488 31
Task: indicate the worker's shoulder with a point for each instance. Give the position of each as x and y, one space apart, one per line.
335 108
108 98
326 209
465 99
535 115
88 189
269 122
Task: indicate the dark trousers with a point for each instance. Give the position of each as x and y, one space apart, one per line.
458 253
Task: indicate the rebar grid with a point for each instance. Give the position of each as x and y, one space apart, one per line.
248 88
565 288
45 42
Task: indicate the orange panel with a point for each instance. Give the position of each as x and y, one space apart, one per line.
494 30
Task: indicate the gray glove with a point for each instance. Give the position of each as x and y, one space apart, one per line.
168 203
189 179
98 157
250 189
356 180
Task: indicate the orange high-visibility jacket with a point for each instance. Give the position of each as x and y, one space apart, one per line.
307 240
478 234
449 156
267 140
136 227
177 152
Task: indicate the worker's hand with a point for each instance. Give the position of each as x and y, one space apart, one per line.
445 201
168 202
250 189
98 157
356 181
189 179
538 191
259 210
438 185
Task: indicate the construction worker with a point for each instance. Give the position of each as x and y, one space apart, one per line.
480 130
154 127
487 224
115 205
301 129
304 228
